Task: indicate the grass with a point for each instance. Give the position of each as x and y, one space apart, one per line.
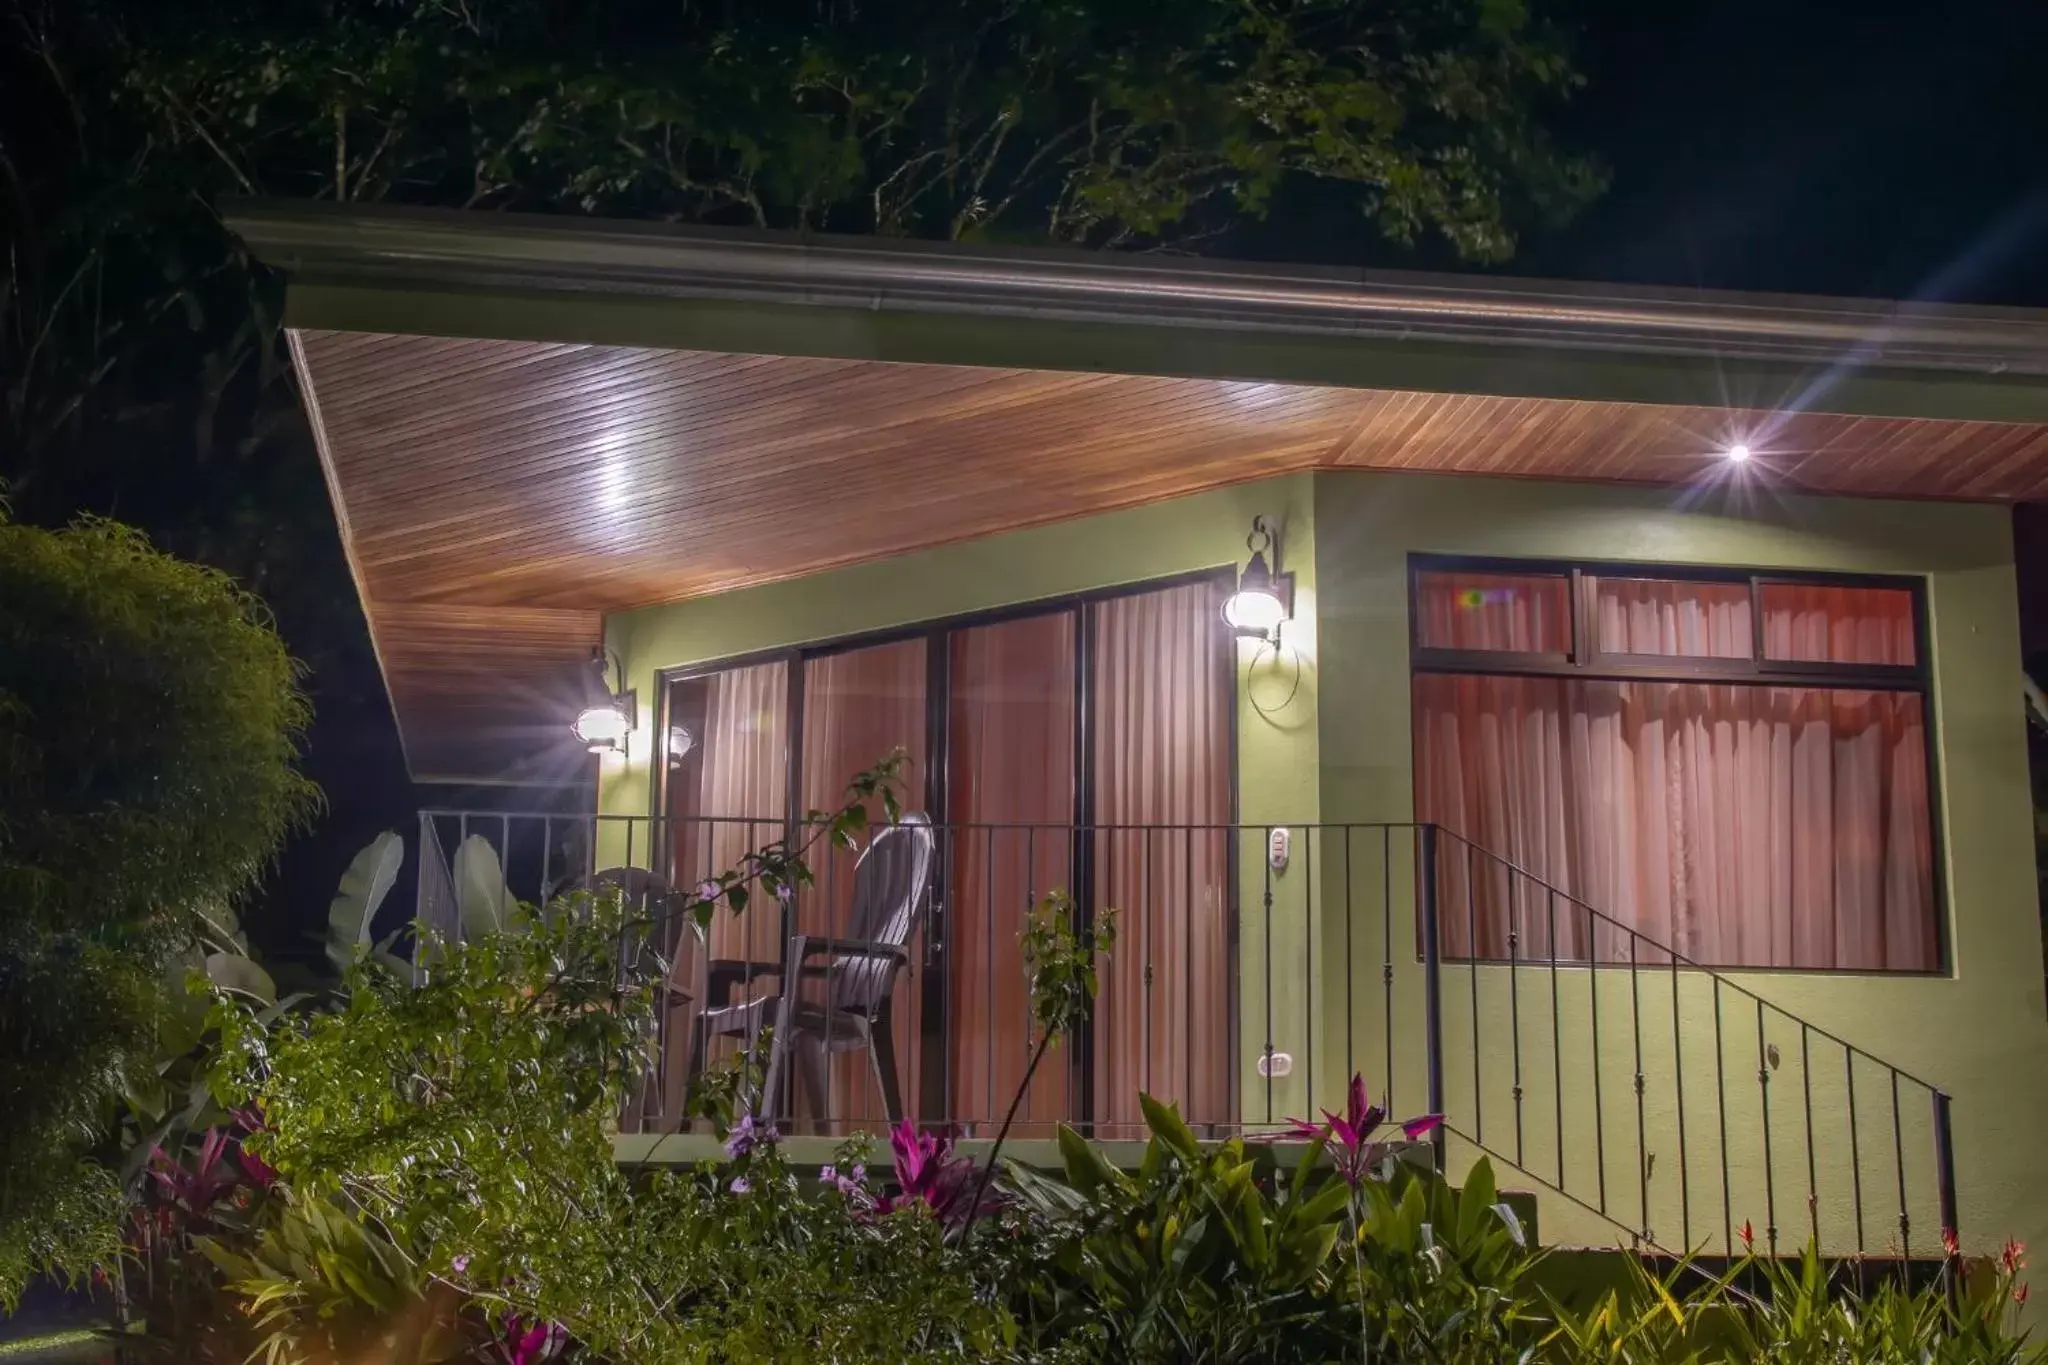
71 1347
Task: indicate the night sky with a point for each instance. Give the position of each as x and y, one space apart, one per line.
1882 149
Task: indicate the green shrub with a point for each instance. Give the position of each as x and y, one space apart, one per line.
149 723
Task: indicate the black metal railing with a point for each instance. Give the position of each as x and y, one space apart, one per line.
1661 1094
1258 967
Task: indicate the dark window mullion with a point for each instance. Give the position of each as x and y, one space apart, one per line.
1583 613
1083 855
1756 619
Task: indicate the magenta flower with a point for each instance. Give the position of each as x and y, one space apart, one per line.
928 1173
526 1343
1350 1135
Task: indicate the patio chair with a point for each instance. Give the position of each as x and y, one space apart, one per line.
646 895
853 1012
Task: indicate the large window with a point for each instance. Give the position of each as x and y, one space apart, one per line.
1732 764
1082 745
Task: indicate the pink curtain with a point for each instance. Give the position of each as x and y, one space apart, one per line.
725 798
1661 616
859 705
1162 759
1838 624
1524 613
1744 825
1010 782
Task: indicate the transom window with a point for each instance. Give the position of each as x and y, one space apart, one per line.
1732 763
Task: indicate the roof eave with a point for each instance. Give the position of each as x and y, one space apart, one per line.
441 249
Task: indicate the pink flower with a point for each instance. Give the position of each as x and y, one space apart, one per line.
1349 1134
528 1344
853 1184
1951 1246
2013 1257
1748 1236
928 1173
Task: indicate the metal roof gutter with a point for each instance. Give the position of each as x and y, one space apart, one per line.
339 245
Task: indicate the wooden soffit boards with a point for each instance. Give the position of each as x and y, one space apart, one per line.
499 497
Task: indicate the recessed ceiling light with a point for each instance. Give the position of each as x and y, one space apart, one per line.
1738 452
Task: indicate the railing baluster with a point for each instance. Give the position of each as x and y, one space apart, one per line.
1350 969
1148 881
1186 993
1266 862
1678 1090
1599 1104
1515 1006
1812 1172
988 1009
1635 1020
1472 967
1763 1082
1944 1164
1308 967
1721 1109
1556 1030
1432 985
1899 1160
1855 1148
1387 959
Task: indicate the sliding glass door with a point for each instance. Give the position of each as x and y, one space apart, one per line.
1083 747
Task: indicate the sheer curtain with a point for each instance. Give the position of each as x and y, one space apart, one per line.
1742 824
1010 761
1162 758
858 705
725 798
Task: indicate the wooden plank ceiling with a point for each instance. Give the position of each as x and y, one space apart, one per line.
499 497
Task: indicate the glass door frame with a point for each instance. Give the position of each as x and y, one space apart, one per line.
933 1041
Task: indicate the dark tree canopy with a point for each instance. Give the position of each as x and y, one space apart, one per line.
149 724
1095 122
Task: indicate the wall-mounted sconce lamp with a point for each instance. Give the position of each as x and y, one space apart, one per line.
1264 597
602 726
680 742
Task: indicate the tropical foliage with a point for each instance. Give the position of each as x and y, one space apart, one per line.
416 1165
149 723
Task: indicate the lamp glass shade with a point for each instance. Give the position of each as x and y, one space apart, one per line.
601 727
1255 608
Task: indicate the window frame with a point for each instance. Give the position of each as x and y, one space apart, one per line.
1586 662
1585 659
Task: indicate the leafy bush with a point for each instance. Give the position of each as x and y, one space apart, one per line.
149 723
425 1174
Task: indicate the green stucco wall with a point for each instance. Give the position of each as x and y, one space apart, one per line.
1339 751
1277 769
1980 1032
